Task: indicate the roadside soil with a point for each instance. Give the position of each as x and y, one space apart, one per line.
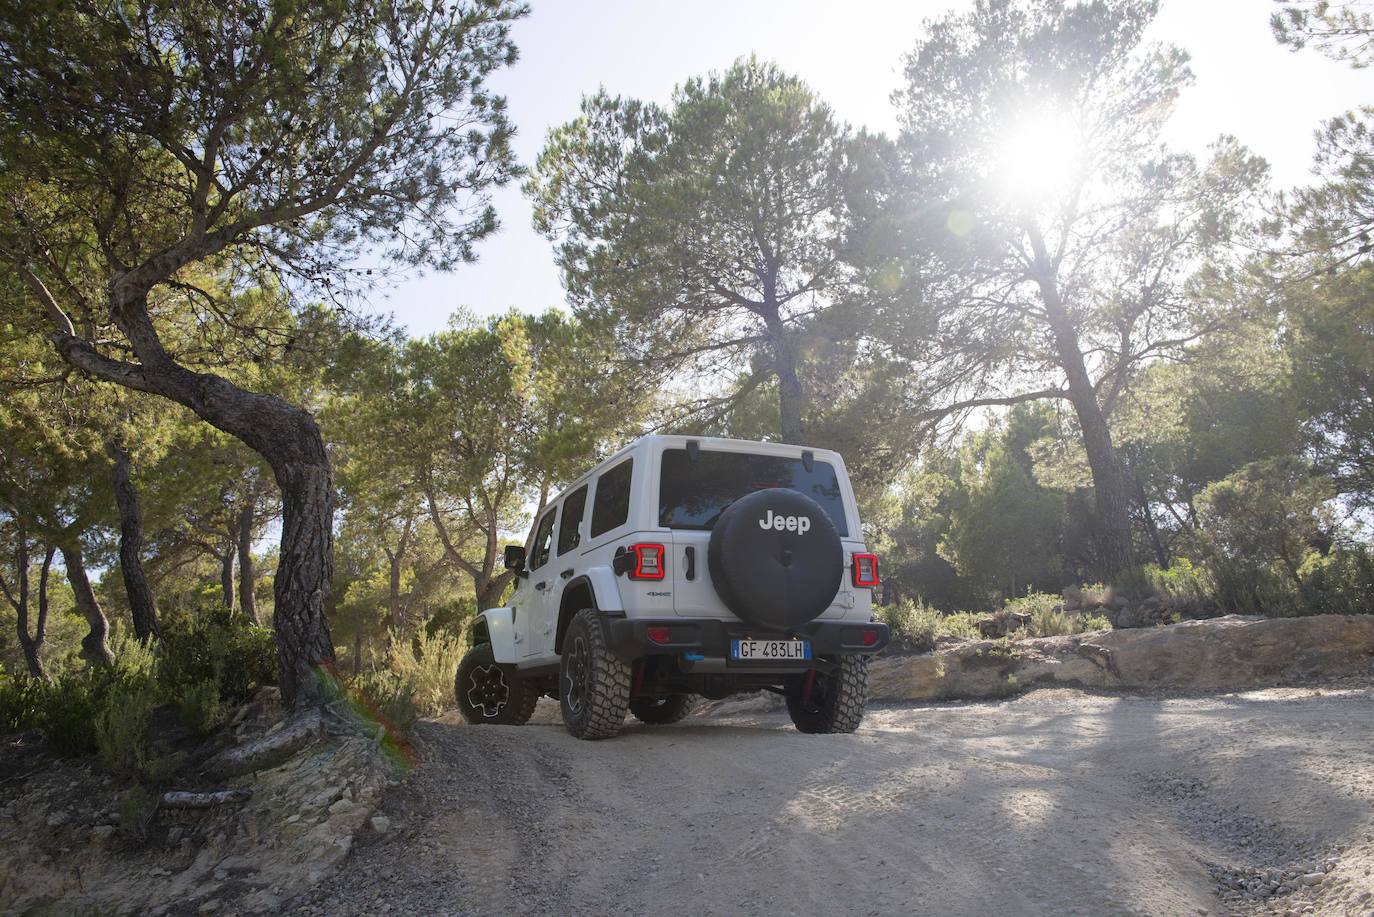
1054 802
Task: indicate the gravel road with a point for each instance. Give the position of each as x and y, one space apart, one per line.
1055 802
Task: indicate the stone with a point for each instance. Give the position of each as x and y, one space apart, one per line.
341 806
1310 878
1229 653
380 824
58 819
102 834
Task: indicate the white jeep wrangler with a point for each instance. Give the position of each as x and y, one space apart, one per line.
684 566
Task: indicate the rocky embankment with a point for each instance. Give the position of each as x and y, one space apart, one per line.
256 824
1221 654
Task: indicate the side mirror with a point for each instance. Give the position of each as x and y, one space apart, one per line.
514 558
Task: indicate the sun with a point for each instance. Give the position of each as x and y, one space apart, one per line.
1040 158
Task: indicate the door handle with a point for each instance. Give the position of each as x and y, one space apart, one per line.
565 574
539 587
691 553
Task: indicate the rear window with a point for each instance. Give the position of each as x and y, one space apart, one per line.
611 506
573 508
691 495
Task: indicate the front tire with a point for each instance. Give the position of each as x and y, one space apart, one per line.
491 693
834 701
593 685
661 711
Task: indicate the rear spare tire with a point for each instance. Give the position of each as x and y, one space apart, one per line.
775 558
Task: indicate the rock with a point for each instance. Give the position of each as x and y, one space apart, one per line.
102 834
174 835
1230 653
1310 878
282 741
58 819
341 806
380 824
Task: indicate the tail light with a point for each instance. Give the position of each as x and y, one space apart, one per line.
866 570
648 561
659 635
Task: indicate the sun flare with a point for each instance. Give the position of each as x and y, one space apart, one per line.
1042 157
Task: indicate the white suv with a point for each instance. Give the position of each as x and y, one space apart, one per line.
684 566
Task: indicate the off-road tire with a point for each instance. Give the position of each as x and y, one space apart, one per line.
660 711
478 670
837 699
593 685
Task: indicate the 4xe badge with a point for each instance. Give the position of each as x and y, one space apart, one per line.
799 524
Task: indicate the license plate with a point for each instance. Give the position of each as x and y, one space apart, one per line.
770 650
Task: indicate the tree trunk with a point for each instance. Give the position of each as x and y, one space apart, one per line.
284 435
305 568
489 593
226 577
1151 529
248 603
142 606
395 560
1110 492
32 645
790 396
95 646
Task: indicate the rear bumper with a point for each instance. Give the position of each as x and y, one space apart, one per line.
628 637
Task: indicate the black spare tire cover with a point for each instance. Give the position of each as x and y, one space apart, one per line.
775 558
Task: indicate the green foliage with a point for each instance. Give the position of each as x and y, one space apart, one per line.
21 702
200 708
137 808
388 699
917 626
427 664
238 658
121 733
70 707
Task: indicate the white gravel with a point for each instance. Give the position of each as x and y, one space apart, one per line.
1055 802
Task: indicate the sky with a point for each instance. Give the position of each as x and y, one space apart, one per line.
1246 84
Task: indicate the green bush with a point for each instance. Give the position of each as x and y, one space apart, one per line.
917 626
1049 619
21 702
70 706
121 733
382 697
239 658
137 809
429 664
200 707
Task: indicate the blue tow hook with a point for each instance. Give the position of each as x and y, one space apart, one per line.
693 657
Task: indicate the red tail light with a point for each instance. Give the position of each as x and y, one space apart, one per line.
659 635
866 570
870 637
648 561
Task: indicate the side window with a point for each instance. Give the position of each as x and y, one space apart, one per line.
543 540
611 507
574 508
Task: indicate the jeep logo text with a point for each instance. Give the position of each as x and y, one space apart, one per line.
799 524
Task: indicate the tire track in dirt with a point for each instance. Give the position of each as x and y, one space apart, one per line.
1056 802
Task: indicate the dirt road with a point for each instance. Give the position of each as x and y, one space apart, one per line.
1056 802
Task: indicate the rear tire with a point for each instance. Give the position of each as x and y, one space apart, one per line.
661 711
593 685
836 700
491 693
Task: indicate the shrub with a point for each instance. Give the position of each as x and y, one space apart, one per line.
199 707
917 626
137 810
385 698
121 733
239 658
70 706
429 664
1048 618
21 702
